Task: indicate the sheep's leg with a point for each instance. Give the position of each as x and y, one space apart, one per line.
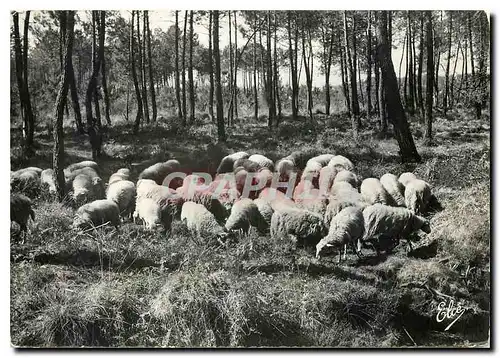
345 251
340 256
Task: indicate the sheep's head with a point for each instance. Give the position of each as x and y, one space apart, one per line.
81 196
323 249
426 227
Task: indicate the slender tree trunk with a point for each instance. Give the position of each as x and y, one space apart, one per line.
150 66
411 80
184 104
401 62
469 32
102 26
420 94
328 71
142 67
352 80
345 78
95 53
74 98
452 85
430 77
447 75
396 113
269 84
361 95
58 151
210 67
369 108
255 91
306 59
138 116
190 69
276 73
293 66
230 83
406 97
235 83
218 86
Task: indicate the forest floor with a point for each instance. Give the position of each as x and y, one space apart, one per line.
139 288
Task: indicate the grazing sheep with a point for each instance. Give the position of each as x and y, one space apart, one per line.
21 210
240 178
305 226
342 195
227 163
285 167
81 165
348 177
417 196
244 214
91 173
346 228
276 198
83 189
97 213
201 195
407 177
201 221
327 177
340 161
47 180
153 214
25 180
123 193
322 159
31 169
124 171
265 209
148 189
159 171
300 157
373 192
311 173
395 223
120 174
313 200
394 188
264 178
248 165
262 161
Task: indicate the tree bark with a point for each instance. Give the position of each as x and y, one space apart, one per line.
150 62
269 85
181 114
234 103
430 77
401 62
218 86
58 150
306 59
369 108
447 75
255 91
210 67
352 80
396 113
420 95
452 85
411 80
96 60
184 104
345 79
102 27
142 66
190 70
138 116
293 67
276 75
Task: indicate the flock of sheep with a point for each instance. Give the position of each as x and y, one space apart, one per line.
325 209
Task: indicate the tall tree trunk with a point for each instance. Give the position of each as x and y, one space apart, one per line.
218 86
396 113
430 77
447 75
369 108
210 67
74 98
269 85
344 77
406 97
255 92
102 26
190 69
420 95
230 83
150 63
452 85
328 71
95 56
235 83
352 80
306 59
411 80
469 32
138 116
401 62
293 66
24 96
360 91
142 66
181 114
58 151
184 104
276 73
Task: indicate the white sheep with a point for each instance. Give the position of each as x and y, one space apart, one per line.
305 226
407 177
83 188
120 174
124 171
123 193
342 195
322 159
148 189
159 171
346 176
248 165
262 161
47 180
202 222
394 188
391 222
97 213
417 196
340 161
346 228
373 192
153 214
31 169
84 164
91 173
21 210
244 214
24 179
313 200
265 209
311 173
285 167
327 177
276 198
227 163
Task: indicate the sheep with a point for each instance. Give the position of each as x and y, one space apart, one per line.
83 189
202 222
123 193
326 178
201 195
91 173
81 165
393 222
265 209
244 214
262 161
347 176
346 228
227 163
25 180
159 171
248 165
97 213
394 188
340 161
120 174
285 167
311 173
300 157
322 159
342 195
417 196
373 192
31 169
305 226
124 171
21 211
47 180
313 200
153 214
407 177
276 198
